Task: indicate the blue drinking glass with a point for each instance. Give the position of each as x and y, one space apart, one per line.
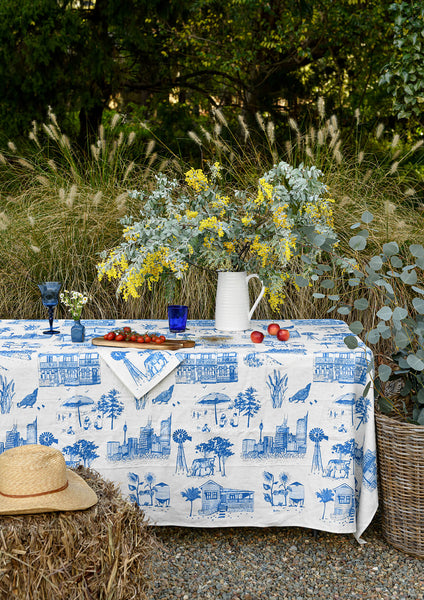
177 317
50 298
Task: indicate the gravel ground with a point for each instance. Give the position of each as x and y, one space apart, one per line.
277 563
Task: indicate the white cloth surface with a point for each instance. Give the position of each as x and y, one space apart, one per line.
228 433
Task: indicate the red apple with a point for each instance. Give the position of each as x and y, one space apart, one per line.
273 328
257 337
283 335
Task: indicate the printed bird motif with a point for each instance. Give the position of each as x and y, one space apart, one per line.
301 395
29 400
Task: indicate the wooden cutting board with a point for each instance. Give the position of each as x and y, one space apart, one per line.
167 345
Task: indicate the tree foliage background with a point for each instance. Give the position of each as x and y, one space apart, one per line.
174 60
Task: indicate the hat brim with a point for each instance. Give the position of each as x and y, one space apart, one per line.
77 496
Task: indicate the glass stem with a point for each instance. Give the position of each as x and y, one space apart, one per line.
51 311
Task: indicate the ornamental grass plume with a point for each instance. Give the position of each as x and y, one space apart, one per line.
200 223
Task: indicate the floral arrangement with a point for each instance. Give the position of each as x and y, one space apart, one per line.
74 301
197 222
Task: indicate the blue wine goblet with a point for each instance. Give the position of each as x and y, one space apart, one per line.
50 298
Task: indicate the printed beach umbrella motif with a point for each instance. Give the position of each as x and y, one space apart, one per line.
214 398
76 402
348 400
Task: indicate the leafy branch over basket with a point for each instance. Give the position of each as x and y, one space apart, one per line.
393 277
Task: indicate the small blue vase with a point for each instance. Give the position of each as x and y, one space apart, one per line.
77 331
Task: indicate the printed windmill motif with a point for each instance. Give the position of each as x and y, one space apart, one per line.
317 435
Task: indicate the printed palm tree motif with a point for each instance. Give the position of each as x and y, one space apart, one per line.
362 410
7 391
110 406
316 435
247 404
180 436
215 398
190 495
82 449
325 495
277 387
221 447
348 400
135 373
47 439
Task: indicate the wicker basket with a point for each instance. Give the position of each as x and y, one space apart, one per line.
400 448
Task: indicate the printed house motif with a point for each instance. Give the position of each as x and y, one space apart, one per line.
208 367
69 369
216 498
344 367
344 501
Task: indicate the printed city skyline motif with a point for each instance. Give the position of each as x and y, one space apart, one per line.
13 437
283 443
147 444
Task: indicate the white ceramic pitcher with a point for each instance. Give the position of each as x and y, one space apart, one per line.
232 305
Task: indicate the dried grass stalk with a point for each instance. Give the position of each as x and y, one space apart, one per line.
103 553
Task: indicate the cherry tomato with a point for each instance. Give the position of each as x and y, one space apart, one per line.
111 335
133 337
119 337
105 336
147 339
140 339
162 338
158 341
127 330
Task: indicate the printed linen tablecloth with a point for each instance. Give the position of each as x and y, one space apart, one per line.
228 433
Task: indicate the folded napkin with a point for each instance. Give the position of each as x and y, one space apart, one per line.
140 371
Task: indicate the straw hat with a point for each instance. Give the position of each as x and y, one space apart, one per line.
34 479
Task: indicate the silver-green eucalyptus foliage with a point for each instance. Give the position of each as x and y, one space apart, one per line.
398 320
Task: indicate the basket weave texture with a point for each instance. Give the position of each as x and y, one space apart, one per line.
401 483
102 553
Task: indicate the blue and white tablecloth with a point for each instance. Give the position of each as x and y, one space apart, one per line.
228 433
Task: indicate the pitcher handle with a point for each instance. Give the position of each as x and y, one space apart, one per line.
261 293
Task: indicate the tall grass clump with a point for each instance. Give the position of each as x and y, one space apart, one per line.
59 208
365 170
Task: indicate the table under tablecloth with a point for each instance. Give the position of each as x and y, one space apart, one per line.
228 433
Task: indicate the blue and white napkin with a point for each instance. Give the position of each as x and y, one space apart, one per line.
140 371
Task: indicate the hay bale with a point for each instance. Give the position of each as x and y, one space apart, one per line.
102 553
